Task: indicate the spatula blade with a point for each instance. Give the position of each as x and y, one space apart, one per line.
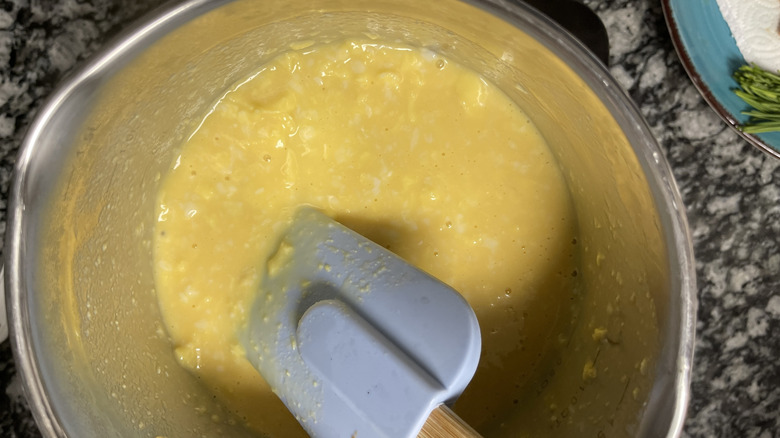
425 330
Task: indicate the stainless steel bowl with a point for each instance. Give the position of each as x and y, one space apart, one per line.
86 329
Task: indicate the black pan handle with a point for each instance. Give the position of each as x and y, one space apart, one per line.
580 21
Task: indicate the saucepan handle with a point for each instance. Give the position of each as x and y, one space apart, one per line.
580 21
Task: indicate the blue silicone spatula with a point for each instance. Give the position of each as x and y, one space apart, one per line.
356 341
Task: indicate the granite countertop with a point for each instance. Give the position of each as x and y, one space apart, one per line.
730 189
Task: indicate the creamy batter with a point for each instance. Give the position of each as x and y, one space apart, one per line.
411 150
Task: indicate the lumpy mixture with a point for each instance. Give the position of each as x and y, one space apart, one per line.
400 144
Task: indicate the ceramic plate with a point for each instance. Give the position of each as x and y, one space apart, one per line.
710 56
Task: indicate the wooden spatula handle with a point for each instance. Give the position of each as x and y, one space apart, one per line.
443 423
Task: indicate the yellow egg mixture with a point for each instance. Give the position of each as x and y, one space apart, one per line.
411 150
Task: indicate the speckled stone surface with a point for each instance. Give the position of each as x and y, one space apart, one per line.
730 189
732 195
